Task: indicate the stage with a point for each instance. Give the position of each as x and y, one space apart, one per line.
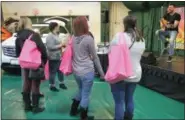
167 79
177 64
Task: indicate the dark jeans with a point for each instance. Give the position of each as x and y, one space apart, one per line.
85 84
123 97
53 70
30 85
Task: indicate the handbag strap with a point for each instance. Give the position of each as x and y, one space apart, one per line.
122 36
30 37
69 42
132 44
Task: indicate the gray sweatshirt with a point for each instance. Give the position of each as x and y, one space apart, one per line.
53 47
84 55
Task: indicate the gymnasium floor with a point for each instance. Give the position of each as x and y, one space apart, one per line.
149 104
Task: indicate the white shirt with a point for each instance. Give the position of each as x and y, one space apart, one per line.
135 53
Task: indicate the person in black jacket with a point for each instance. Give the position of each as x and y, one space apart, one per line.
30 86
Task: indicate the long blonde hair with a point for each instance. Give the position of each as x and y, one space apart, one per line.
24 23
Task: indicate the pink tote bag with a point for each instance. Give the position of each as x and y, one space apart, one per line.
120 67
30 57
66 64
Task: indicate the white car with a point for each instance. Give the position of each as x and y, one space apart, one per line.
9 59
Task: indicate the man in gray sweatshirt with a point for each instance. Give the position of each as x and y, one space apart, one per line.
54 47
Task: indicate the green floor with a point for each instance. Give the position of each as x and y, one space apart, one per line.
148 104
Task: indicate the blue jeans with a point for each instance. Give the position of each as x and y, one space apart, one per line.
84 83
172 37
123 97
53 70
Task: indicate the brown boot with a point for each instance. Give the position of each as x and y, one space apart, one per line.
74 107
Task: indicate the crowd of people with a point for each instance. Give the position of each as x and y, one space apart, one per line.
84 62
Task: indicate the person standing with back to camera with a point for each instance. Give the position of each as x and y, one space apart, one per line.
84 58
123 91
30 87
54 47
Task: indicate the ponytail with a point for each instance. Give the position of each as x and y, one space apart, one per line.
139 37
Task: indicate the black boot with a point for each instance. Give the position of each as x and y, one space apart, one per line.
127 116
27 101
84 116
74 107
35 103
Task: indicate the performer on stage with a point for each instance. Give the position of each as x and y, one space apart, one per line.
169 24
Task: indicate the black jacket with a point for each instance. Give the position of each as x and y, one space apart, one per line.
23 35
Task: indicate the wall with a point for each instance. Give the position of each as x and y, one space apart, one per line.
117 12
58 8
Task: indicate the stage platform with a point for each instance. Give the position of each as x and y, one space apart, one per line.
177 64
166 78
148 104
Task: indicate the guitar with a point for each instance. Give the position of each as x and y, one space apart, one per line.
163 23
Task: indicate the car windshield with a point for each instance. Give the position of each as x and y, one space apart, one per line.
44 29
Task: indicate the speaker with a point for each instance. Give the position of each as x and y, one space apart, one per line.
149 58
105 16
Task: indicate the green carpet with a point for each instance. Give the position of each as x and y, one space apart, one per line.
148 104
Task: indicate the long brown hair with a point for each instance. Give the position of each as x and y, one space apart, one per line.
80 26
130 23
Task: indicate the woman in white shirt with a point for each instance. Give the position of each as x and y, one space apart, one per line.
123 91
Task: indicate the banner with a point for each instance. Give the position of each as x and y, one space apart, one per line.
180 37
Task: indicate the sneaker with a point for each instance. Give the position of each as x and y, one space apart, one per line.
169 59
41 95
166 44
54 89
63 86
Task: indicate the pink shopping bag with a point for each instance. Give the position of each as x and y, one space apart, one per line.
30 57
120 67
66 64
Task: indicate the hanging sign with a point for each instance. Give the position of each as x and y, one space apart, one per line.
35 11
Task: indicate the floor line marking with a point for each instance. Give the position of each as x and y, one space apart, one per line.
9 91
